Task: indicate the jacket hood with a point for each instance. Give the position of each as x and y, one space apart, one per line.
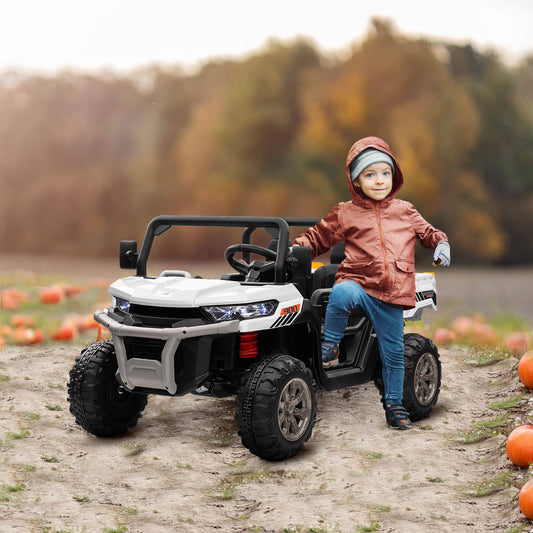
379 144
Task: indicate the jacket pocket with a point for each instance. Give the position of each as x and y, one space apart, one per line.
366 272
405 266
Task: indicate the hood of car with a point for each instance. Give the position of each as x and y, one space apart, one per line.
177 291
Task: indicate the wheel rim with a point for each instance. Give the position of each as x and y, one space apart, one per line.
294 409
426 379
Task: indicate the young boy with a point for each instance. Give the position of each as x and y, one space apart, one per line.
377 277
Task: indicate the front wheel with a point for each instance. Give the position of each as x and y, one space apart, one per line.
99 403
422 380
276 407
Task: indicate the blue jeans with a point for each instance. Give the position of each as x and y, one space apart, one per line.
348 297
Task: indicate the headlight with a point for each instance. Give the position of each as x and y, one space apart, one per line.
121 305
220 313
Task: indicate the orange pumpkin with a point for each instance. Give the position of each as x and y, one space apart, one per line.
525 499
27 336
519 445
462 325
66 332
525 369
517 342
444 336
51 295
18 320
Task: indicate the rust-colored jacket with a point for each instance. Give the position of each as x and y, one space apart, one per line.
379 237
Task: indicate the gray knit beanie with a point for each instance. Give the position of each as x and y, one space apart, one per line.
368 157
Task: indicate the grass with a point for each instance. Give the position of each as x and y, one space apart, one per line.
484 429
488 358
54 407
489 486
7 490
119 529
134 448
82 499
374 526
228 485
508 403
50 459
305 529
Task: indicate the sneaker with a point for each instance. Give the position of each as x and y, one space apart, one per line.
397 417
330 354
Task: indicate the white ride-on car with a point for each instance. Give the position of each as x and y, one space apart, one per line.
255 333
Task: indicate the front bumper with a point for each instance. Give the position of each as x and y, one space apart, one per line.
151 373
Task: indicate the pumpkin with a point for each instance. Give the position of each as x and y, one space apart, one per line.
525 499
18 320
519 445
525 369
444 336
27 336
517 342
51 295
462 325
66 332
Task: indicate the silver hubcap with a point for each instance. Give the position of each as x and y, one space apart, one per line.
426 379
294 409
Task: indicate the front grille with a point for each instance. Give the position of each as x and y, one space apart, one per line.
176 313
142 348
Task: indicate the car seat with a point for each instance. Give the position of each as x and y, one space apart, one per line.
324 276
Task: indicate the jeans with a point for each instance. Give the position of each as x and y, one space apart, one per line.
348 297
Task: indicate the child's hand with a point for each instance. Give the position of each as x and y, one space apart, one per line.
442 255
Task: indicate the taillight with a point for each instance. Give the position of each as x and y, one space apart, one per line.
248 345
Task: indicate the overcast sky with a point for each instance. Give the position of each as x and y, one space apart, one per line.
49 35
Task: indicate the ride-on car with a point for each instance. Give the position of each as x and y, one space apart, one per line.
254 333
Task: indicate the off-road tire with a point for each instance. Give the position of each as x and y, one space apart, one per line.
276 407
422 380
97 401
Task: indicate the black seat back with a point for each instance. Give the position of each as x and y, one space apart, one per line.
324 276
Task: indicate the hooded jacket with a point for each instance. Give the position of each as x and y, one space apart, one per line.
379 236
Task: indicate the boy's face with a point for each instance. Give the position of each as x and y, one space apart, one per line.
375 181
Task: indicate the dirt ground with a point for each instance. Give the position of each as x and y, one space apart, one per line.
183 468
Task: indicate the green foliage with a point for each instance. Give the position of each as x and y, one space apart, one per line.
269 135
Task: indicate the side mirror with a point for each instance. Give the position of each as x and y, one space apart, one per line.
128 254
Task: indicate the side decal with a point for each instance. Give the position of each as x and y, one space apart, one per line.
286 316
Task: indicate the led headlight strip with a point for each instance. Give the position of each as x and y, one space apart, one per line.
219 313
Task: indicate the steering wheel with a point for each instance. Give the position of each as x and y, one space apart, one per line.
254 269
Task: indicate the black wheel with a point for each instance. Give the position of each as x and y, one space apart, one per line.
276 407
421 385
97 401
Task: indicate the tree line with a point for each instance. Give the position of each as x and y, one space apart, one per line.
87 160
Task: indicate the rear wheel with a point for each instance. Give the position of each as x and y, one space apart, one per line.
422 380
99 403
276 407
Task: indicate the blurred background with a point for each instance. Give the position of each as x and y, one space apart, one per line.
112 112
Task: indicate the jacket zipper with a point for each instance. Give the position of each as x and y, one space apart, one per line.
382 237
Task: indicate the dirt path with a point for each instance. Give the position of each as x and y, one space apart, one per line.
183 468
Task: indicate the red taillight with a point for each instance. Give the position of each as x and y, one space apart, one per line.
248 345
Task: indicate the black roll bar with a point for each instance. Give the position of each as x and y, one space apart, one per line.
162 223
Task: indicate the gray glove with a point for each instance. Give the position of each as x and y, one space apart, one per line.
442 255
